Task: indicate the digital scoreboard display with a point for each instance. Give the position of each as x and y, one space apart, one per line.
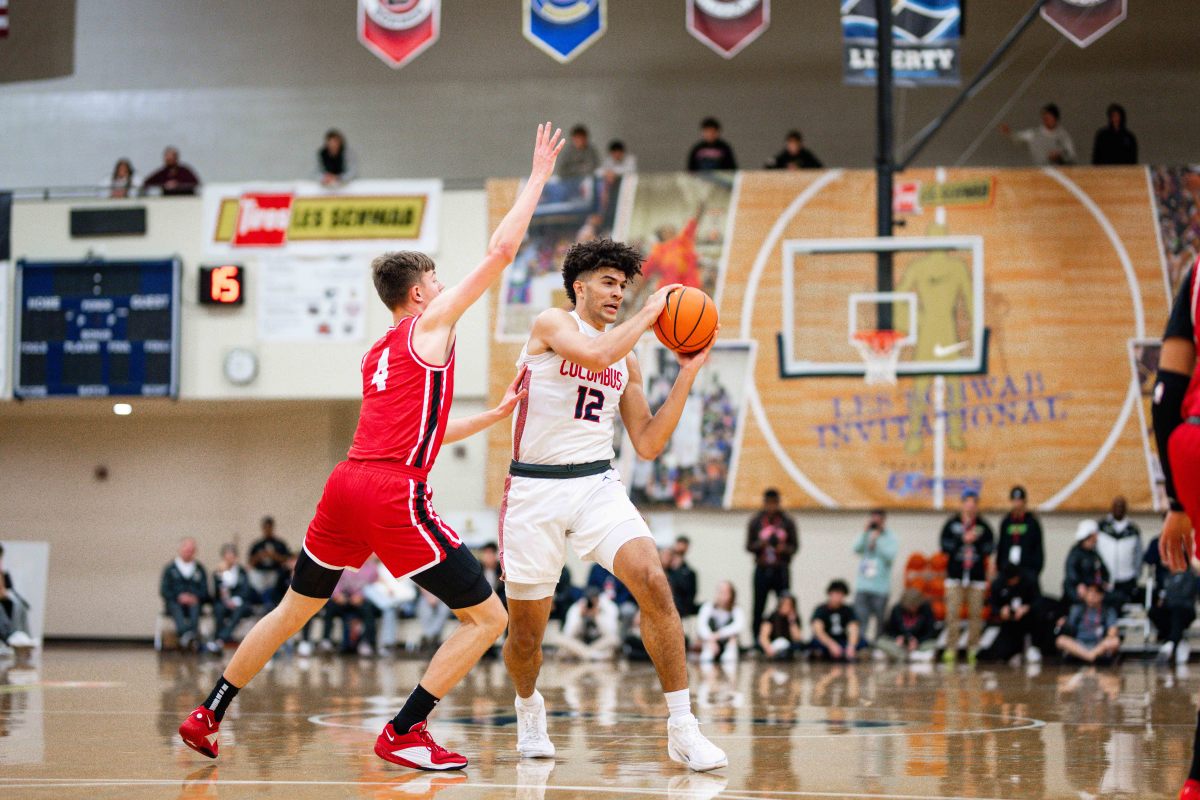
97 329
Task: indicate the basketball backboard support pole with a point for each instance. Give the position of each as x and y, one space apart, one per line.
885 157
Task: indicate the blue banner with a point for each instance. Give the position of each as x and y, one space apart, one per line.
925 35
563 29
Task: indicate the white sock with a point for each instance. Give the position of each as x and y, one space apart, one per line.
533 701
679 704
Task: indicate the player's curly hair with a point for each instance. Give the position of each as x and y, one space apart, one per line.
588 256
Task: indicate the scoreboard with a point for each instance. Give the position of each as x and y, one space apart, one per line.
97 328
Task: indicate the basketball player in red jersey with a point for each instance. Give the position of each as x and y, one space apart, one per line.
1176 414
378 500
579 372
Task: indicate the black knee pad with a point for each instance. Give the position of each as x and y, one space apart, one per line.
458 581
312 580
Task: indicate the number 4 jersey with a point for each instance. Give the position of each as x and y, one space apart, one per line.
567 416
406 403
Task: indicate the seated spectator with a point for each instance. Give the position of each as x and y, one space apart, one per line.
579 158
591 631
613 589
121 183
1084 566
876 547
1048 143
711 152
911 630
1090 634
335 161
565 595
432 616
184 589
967 541
349 604
233 597
1013 596
794 154
634 648
835 628
618 163
1173 606
269 557
392 598
780 635
719 625
1120 547
172 178
14 613
489 559
1115 143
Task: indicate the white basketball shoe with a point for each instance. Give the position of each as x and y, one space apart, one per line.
687 745
532 739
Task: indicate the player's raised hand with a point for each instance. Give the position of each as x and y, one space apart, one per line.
1175 544
694 361
514 394
546 150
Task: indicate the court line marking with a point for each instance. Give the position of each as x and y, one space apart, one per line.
728 794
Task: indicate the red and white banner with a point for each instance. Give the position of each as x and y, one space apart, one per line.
728 26
3 18
397 31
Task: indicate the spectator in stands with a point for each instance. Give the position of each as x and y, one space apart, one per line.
233 597
1021 538
619 161
335 161
172 178
634 648
1084 566
489 559
1173 606
773 539
591 631
392 598
565 595
683 578
876 547
613 589
1120 545
780 636
1013 596
432 616
1090 634
184 589
967 540
837 635
911 630
1115 143
578 159
14 613
719 625
268 562
349 604
121 183
711 152
794 155
1049 143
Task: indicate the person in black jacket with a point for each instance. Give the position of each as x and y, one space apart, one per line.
233 597
968 541
685 577
773 539
1115 144
711 152
1012 599
1084 566
184 589
1021 538
911 630
794 155
1173 608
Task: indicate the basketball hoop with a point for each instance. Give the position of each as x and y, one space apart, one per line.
880 351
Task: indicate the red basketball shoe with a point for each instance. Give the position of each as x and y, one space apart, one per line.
199 732
416 749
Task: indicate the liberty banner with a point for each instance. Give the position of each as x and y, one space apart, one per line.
397 31
728 26
925 36
562 29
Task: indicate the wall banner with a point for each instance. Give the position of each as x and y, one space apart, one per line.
728 26
397 31
925 34
1084 21
303 218
562 29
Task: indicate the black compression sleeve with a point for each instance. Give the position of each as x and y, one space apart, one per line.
1167 411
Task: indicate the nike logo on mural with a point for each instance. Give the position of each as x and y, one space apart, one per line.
943 350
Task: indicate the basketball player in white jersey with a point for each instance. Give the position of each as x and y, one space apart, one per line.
562 489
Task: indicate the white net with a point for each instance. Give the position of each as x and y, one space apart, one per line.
880 352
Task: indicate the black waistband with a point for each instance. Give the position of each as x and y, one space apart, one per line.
558 471
1192 420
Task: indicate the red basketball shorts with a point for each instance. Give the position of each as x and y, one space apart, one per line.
377 507
1184 452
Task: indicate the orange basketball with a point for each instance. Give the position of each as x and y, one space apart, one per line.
688 321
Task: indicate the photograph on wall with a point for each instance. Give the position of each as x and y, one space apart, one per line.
698 466
312 299
1177 201
571 210
681 223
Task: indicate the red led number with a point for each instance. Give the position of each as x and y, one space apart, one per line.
226 286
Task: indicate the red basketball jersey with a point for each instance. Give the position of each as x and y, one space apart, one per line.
406 402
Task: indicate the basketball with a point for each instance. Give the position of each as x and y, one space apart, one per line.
688 321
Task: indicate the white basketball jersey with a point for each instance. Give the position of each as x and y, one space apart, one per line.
567 417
